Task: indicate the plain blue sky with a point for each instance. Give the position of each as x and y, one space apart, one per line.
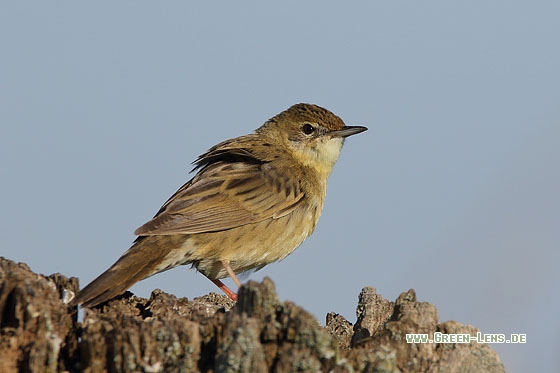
453 191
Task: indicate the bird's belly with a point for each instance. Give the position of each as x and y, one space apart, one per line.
252 246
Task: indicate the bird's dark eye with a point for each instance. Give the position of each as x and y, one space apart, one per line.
308 129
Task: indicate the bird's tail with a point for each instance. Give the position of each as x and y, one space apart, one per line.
142 260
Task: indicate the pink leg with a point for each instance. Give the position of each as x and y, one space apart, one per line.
225 289
231 273
223 286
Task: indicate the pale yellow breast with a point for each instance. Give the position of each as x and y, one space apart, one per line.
255 245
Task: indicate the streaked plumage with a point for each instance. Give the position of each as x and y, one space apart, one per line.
253 201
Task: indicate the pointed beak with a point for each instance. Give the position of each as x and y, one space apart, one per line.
348 131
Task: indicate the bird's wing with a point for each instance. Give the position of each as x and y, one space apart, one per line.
226 195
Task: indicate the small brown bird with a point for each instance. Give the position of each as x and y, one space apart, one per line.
253 201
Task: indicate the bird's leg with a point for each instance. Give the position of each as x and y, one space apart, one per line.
223 286
225 289
225 263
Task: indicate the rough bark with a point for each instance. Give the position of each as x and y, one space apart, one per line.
40 333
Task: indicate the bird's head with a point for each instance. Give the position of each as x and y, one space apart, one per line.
311 134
